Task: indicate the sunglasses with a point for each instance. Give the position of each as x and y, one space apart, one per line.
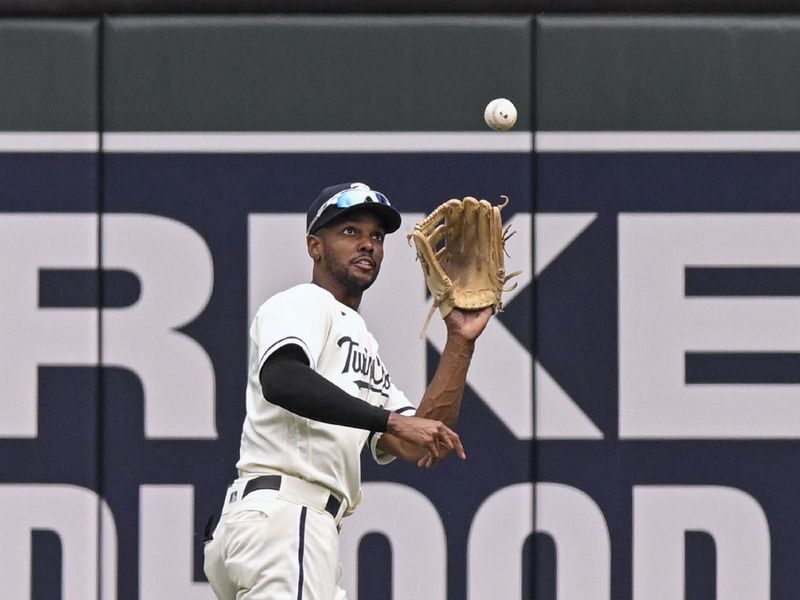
348 198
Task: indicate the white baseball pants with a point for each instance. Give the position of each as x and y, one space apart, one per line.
271 546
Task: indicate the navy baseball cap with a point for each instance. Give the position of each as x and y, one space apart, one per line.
337 200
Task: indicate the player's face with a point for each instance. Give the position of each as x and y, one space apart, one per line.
352 250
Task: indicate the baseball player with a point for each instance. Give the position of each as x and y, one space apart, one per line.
317 392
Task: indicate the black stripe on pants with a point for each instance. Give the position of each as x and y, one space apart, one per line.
300 549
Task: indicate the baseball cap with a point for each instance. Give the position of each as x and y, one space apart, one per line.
337 200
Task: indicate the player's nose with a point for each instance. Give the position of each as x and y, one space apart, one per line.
366 244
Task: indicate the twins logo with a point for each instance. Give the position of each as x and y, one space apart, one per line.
360 361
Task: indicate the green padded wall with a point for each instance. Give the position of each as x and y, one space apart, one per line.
272 73
667 73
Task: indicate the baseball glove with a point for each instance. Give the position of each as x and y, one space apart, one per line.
461 247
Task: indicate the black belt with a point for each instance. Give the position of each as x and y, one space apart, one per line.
273 482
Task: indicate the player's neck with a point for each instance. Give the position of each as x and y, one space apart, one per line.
339 292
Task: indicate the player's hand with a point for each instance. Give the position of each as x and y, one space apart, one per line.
435 438
468 324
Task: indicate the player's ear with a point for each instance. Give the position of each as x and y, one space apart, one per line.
313 244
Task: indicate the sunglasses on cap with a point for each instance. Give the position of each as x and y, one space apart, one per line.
348 199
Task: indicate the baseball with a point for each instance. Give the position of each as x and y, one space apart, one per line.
500 114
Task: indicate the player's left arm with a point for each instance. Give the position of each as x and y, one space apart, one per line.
442 398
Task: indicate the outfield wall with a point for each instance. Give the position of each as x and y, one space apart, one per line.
631 417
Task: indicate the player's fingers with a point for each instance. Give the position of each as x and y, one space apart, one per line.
454 442
459 448
433 449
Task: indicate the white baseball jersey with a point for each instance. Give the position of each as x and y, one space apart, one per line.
339 347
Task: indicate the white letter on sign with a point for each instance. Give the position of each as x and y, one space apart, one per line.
176 274
80 519
416 537
658 325
661 517
499 351
33 336
569 516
